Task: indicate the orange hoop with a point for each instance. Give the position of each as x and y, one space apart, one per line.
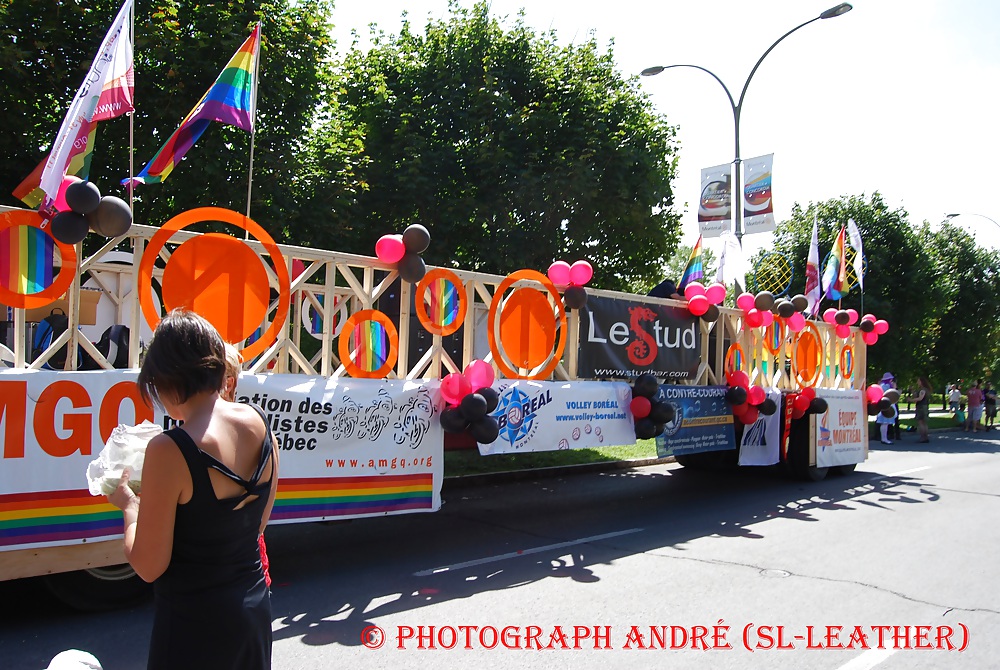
16 218
808 345
518 313
344 344
433 326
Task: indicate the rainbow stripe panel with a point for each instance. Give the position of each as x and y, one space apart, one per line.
56 516
371 345
444 302
323 497
25 259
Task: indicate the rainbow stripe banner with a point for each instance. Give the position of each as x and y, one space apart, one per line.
231 100
694 269
25 259
445 302
835 273
54 517
371 345
318 498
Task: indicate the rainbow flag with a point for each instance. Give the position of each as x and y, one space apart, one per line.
231 100
30 191
25 259
371 345
444 302
694 268
835 274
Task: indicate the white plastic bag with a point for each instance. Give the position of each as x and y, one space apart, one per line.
126 448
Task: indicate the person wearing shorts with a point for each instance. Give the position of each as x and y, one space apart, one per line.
975 397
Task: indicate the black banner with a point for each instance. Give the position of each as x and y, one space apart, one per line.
621 339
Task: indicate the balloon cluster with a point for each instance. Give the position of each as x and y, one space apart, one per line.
871 328
651 416
79 208
469 410
759 310
805 402
792 311
404 250
572 278
842 320
881 401
748 402
703 300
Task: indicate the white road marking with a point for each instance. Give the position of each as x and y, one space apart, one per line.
868 660
525 552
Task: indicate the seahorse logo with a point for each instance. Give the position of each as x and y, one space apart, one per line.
347 419
376 417
414 420
642 350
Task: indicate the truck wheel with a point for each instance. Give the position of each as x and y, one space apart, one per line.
98 589
845 469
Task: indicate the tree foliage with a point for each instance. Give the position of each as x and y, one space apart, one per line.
46 48
514 151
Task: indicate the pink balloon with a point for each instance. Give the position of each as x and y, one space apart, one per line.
870 338
480 374
868 317
843 331
579 273
739 378
756 395
716 293
873 392
796 322
830 315
454 387
559 273
768 317
745 301
390 248
693 289
853 313
750 416
60 202
698 304
754 318
881 327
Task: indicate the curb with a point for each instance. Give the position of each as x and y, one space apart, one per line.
465 481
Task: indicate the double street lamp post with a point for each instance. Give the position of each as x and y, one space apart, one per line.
737 199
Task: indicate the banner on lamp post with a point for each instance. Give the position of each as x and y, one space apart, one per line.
758 208
715 206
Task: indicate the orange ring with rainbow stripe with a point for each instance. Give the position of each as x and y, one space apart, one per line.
375 340
807 355
847 361
448 306
734 358
21 263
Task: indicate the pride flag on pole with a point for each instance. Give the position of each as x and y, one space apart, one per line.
106 92
694 269
230 100
835 273
814 293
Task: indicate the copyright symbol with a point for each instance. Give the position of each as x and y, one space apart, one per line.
372 637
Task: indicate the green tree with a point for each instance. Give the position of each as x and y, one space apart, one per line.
899 281
514 152
46 48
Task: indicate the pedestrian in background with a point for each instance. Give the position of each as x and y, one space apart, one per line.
207 492
989 405
954 398
923 408
974 396
885 423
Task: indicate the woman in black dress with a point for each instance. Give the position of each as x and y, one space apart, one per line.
207 492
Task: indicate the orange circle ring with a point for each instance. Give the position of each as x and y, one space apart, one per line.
847 369
813 331
425 320
20 217
495 347
730 363
344 344
197 215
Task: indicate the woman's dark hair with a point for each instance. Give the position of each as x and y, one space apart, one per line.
187 356
926 384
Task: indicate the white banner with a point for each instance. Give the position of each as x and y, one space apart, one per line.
761 443
758 208
715 204
840 431
349 448
547 416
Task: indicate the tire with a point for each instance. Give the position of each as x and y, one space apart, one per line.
98 589
845 469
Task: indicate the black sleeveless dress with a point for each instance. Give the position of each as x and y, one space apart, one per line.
212 606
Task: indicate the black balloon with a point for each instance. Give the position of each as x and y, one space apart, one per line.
473 407
491 396
889 412
646 385
661 412
892 395
411 268
111 218
866 326
786 309
69 227
764 301
800 302
873 409
711 314
842 317
818 406
416 239
768 407
485 431
575 297
452 421
645 429
736 395
83 197
884 404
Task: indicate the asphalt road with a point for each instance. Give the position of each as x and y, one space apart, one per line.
910 539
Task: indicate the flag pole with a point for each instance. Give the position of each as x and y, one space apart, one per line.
253 117
131 129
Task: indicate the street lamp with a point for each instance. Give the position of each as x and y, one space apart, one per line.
737 201
949 217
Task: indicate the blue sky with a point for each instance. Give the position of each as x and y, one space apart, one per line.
899 96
